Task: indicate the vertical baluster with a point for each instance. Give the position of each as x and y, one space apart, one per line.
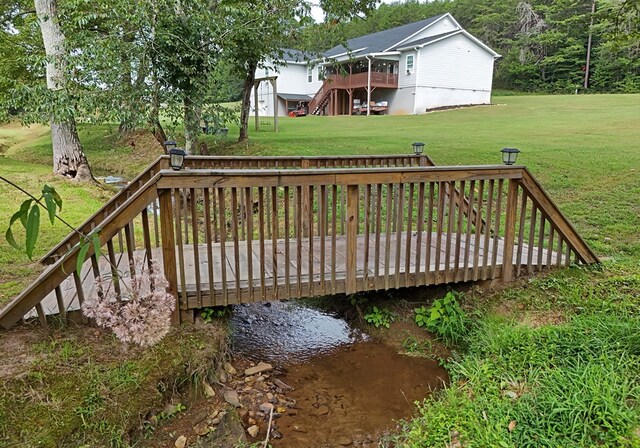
342 210
80 291
509 230
387 243
236 241
209 240
268 217
532 232
478 227
263 287
322 224
215 216
439 228
460 206
559 250
298 213
541 240
146 238
407 262
450 189
550 245
352 238
428 250
419 228
169 248
156 226
62 310
567 259
496 234
378 227
223 244
334 231
185 215
243 215
193 194
485 248
287 255
367 230
398 227
130 251
467 239
42 317
248 196
523 215
180 247
114 269
274 240
310 233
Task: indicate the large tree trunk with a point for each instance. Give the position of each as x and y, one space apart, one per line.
68 157
191 123
249 80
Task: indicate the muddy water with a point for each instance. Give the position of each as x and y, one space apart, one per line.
348 388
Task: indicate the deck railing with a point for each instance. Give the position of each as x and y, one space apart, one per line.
233 236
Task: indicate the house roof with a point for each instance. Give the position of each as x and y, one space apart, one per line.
382 40
425 40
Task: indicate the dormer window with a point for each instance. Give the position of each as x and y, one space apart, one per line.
409 64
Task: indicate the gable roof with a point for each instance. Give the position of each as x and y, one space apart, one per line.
431 39
296 56
382 40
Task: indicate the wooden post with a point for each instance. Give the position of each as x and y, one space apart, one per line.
352 238
423 160
169 250
510 231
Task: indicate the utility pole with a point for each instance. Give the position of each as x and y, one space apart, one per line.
586 71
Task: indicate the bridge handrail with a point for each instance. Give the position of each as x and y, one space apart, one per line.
240 162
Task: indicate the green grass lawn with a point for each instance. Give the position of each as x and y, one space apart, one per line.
549 361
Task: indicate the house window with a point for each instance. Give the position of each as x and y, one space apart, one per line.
321 73
409 63
310 74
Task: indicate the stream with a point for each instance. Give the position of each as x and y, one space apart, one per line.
348 388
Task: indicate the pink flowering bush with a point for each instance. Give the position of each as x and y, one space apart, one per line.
142 316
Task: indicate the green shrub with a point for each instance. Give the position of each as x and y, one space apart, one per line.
380 317
445 318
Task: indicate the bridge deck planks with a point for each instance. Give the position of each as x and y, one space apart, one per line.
50 303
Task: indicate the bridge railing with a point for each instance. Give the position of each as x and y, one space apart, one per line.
264 235
224 162
239 235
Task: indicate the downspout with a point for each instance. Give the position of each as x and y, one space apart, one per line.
369 88
415 89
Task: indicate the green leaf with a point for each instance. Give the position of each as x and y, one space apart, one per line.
24 211
96 243
82 255
32 227
10 239
51 207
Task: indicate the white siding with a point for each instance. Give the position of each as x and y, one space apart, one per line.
454 71
407 79
292 78
442 26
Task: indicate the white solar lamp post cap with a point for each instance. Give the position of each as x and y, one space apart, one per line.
418 147
176 158
509 155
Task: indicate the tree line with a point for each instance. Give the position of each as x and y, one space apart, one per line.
145 64
548 46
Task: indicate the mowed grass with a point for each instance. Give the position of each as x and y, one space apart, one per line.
549 361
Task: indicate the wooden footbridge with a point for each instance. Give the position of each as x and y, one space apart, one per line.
232 230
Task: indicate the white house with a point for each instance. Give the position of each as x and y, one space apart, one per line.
409 69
